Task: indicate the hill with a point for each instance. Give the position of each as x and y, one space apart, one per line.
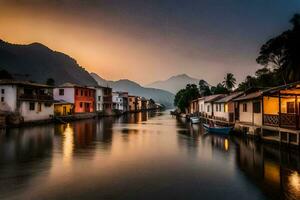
36 62
174 83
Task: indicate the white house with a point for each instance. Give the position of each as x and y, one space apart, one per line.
120 101
99 98
249 109
208 103
224 108
30 101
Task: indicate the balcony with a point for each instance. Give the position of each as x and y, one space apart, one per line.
283 120
34 97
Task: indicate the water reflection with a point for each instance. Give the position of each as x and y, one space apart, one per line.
141 156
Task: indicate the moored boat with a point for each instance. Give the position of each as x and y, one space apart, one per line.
194 120
217 129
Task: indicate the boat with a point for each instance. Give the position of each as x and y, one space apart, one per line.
194 120
217 129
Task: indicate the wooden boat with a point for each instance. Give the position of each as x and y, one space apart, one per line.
194 120
217 130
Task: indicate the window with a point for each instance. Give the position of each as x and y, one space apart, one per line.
80 104
31 106
244 107
2 99
290 107
76 92
61 92
85 93
99 98
2 91
208 108
256 107
81 92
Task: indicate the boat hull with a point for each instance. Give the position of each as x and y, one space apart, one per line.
217 130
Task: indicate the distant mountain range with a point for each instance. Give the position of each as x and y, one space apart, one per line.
36 62
175 83
133 88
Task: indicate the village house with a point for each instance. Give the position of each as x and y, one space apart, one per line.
107 100
120 101
63 108
207 104
132 103
224 108
27 101
144 103
272 113
83 98
99 98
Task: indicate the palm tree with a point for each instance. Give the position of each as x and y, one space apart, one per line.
229 81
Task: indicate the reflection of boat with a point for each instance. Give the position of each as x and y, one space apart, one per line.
216 129
194 120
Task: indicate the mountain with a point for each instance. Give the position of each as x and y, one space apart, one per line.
175 83
158 95
36 62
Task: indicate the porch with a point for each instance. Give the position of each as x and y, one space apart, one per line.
281 108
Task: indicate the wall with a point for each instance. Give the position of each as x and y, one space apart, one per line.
249 116
271 105
32 115
206 105
201 105
99 103
69 94
221 113
10 98
84 97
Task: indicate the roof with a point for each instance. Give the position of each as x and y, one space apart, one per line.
72 85
213 97
23 83
253 95
229 97
282 87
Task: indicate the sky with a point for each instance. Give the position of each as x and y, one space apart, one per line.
150 40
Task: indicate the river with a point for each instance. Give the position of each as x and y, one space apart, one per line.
141 156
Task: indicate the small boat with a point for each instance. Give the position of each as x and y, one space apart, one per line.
218 130
194 120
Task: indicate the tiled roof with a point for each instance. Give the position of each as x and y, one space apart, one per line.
229 97
17 82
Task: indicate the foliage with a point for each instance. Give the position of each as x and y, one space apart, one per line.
50 81
229 81
204 89
185 96
219 89
5 74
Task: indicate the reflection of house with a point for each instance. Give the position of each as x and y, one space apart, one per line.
82 97
224 108
30 101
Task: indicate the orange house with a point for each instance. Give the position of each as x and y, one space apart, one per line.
82 97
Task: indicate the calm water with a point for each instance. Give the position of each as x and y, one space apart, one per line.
141 156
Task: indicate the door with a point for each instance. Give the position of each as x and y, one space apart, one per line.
237 111
64 110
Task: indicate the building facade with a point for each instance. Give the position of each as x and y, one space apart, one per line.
29 101
83 98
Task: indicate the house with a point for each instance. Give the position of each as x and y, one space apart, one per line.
144 103
63 108
194 106
99 94
107 100
132 103
208 104
224 108
82 97
120 101
28 101
138 101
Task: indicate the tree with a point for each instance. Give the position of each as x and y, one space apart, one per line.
5 74
281 53
229 81
185 96
219 89
204 89
50 81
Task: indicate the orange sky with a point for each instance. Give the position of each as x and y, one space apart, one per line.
142 48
